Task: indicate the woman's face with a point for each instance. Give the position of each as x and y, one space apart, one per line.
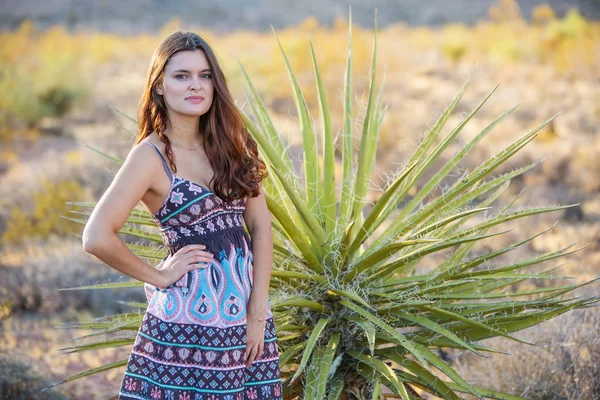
187 85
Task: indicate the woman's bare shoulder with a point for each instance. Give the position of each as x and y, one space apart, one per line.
155 140
143 157
128 187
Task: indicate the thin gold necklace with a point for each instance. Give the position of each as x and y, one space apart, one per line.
180 145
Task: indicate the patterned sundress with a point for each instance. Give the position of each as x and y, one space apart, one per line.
192 340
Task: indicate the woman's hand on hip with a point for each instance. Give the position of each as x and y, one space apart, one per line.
186 259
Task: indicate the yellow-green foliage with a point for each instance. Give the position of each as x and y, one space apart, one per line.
455 41
5 309
543 14
41 76
571 43
568 44
43 73
49 205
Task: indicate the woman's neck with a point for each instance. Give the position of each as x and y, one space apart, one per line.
184 131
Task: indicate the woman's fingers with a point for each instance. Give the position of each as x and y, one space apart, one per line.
203 256
247 353
195 254
261 349
251 354
190 247
198 265
199 259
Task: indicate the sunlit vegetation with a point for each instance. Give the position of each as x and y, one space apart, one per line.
44 220
45 73
568 43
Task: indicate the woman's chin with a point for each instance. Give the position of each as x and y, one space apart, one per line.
197 112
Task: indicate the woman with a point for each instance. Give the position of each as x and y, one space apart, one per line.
208 331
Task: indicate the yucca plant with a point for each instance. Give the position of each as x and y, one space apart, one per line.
352 310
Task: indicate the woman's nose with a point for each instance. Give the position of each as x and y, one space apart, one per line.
195 84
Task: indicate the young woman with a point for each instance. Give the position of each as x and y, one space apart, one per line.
208 331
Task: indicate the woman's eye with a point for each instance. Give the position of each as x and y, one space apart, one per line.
179 76
208 76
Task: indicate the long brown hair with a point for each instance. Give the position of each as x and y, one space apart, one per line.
231 150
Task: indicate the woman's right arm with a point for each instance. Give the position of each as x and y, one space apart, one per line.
100 235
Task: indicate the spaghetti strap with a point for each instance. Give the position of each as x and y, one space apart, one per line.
162 159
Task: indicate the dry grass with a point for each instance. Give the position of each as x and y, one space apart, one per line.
562 366
20 380
36 341
30 280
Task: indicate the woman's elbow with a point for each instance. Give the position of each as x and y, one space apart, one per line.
261 230
88 242
91 239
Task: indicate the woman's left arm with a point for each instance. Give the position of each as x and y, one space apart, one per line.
262 253
258 220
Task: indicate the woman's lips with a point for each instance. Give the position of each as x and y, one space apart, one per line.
195 100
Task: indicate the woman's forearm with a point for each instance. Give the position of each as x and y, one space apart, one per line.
109 248
262 254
